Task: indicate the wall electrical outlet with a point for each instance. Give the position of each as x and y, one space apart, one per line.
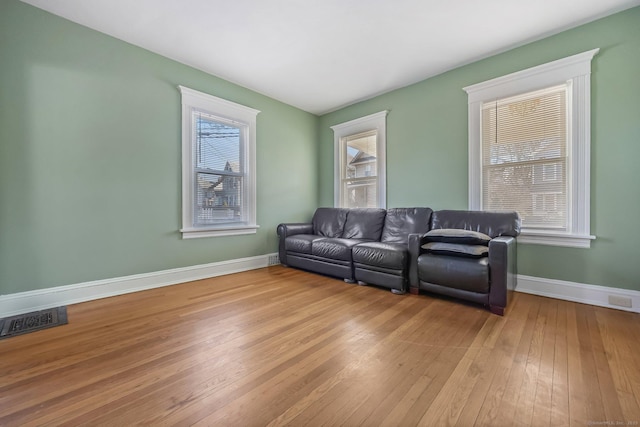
620 301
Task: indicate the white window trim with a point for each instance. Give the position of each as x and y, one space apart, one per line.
236 114
378 122
575 69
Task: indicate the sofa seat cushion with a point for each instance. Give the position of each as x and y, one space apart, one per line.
301 243
337 248
469 274
452 249
379 254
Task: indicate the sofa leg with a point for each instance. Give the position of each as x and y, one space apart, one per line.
398 291
361 283
349 281
414 291
497 310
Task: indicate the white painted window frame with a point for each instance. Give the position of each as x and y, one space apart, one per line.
576 70
377 122
237 115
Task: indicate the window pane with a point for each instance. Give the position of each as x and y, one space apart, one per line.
218 172
361 155
360 170
524 157
360 193
522 187
217 144
218 199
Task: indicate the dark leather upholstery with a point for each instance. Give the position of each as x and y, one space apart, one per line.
325 245
369 245
364 224
493 224
385 263
484 279
387 248
381 254
286 230
391 279
400 222
301 243
329 222
502 258
335 249
342 269
455 293
469 274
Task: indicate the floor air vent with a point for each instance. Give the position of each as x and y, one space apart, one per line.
273 260
30 322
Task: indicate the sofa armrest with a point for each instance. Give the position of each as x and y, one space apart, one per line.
502 261
415 249
285 230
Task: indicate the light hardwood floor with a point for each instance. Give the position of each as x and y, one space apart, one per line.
278 346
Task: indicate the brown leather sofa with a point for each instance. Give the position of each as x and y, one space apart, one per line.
464 254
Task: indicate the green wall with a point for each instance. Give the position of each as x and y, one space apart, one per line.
90 154
90 157
427 147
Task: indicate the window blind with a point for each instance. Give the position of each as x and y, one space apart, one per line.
524 157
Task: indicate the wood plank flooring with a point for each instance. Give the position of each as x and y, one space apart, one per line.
278 346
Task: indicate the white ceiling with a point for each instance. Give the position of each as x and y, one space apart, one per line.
321 55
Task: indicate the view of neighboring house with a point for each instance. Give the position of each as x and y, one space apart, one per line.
219 196
361 173
218 191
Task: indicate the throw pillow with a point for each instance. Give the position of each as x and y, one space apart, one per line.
459 236
468 251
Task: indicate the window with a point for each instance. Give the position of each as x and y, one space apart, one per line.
524 153
360 178
529 149
218 166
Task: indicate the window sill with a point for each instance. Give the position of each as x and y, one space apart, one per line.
556 239
237 230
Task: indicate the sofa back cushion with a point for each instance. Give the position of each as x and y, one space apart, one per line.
329 222
400 222
364 224
492 223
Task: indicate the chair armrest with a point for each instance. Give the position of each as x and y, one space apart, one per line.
285 230
502 261
415 249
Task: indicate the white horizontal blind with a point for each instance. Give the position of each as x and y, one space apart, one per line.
524 157
218 171
360 170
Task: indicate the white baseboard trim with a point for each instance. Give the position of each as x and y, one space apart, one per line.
26 302
578 292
